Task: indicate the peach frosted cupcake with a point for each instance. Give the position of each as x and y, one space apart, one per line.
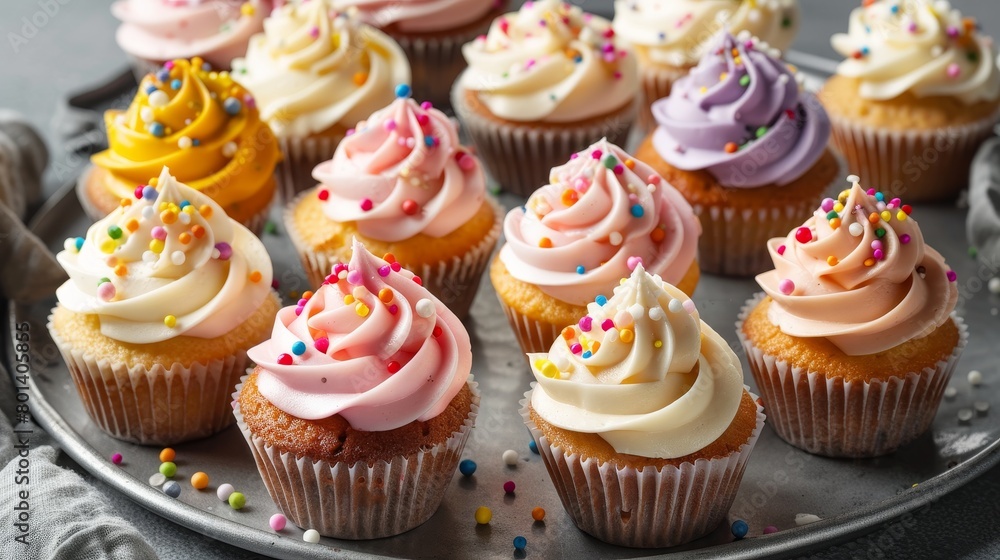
855 340
601 214
641 417
361 403
165 296
403 185
546 81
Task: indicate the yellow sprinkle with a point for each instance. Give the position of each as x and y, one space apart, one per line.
832 260
153 181
255 276
125 202
547 368
247 9
121 270
108 246
704 89
189 210
348 299
584 341
886 215
156 246
622 281
170 321
843 196
838 207
164 206
626 335
901 216
361 309
723 76
657 343
385 294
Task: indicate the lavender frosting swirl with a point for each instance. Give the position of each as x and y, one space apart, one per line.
741 115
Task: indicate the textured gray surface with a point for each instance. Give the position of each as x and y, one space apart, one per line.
75 48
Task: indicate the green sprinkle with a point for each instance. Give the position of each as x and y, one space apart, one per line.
786 22
973 252
168 469
115 232
610 161
761 131
880 233
831 215
237 500
271 228
745 81
103 280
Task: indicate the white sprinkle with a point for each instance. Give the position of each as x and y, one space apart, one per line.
157 479
146 114
216 253
853 179
994 285
510 457
636 311
964 415
615 238
148 212
70 245
158 98
229 149
936 50
425 308
149 257
224 491
675 306
184 218
560 361
311 536
655 314
178 257
856 229
184 142
982 407
806 518
120 119
975 378
950 392
611 336
783 79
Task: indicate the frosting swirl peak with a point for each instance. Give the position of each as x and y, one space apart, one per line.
418 16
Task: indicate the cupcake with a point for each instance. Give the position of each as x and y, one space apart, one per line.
200 124
405 187
746 146
915 97
431 33
601 214
316 73
361 403
543 83
854 339
165 295
670 37
154 32
644 424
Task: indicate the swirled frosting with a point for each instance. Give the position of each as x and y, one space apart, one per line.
418 16
927 49
600 214
198 123
402 172
643 371
859 275
313 68
550 62
167 262
371 345
216 30
741 115
680 32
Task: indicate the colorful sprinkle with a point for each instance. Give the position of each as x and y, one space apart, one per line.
237 500
786 287
167 455
803 235
467 467
637 210
298 348
225 490
199 480
311 536
952 276
277 522
403 90
538 514
285 359
520 542
509 487
116 458
483 515
172 488
168 469
740 529
170 321
510 457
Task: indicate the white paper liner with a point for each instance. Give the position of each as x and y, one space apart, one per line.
454 282
915 165
646 508
519 156
533 335
300 157
154 406
656 83
359 501
837 418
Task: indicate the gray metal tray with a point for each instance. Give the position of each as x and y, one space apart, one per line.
851 496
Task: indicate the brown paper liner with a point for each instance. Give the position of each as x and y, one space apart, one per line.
915 165
519 156
455 282
645 508
359 501
154 406
301 156
656 82
836 418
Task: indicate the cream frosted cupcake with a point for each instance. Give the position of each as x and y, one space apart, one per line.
545 82
914 99
431 33
165 296
315 73
361 403
403 184
670 37
855 340
601 214
641 417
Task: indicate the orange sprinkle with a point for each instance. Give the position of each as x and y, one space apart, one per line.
538 514
255 276
360 78
389 258
132 225
205 210
545 243
198 231
569 197
835 223
595 347
658 234
168 217
731 147
167 455
869 262
126 202
630 163
569 333
184 238
307 294
121 270
873 218
832 260
385 294
199 480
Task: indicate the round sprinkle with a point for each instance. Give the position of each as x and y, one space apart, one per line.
580 269
675 306
770 529
298 348
637 210
167 455
184 142
856 229
224 491
178 258
740 528
950 392
277 522
803 235
520 542
106 291
483 515
403 90
199 480
311 536
425 308
533 447
601 300
975 378
158 98
786 286
225 251
116 458
467 467
964 415
538 514
509 486
237 500
510 457
615 238
731 147
745 80
410 207
170 321
232 106
168 469
157 479
285 359
172 489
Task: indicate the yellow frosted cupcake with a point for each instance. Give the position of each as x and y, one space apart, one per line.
165 296
916 96
197 122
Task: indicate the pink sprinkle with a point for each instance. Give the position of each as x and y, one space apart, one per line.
338 268
607 324
633 262
653 179
953 70
619 169
384 270
529 64
576 348
106 291
871 192
322 344
249 101
586 322
354 277
596 154
426 105
608 57
509 486
827 204
574 156
277 522
786 287
904 239
138 191
912 27
633 198
298 311
952 276
116 458
350 132
608 47
390 124
396 267
952 31
876 244
314 32
366 204
169 65
393 309
770 529
158 233
781 249
423 119
617 75
689 306
878 254
466 162
580 184
302 302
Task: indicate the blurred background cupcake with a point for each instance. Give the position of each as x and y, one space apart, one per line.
165 296
402 183
315 73
601 215
916 96
156 31
670 37
361 403
545 82
854 340
640 407
431 33
746 146
203 126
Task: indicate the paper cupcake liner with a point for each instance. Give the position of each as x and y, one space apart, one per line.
301 156
158 405
917 166
519 156
645 508
656 83
837 418
359 501
455 282
533 335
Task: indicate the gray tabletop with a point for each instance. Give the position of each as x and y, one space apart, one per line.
69 44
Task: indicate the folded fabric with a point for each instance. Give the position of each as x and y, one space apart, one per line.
983 226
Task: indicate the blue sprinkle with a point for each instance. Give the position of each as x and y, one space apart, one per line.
520 542
864 50
637 211
78 242
533 447
195 142
299 348
467 467
184 204
206 67
162 74
578 59
232 106
149 193
894 9
156 129
662 36
586 354
580 269
740 528
429 141
880 197
172 488
601 300
402 90
176 84
150 89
